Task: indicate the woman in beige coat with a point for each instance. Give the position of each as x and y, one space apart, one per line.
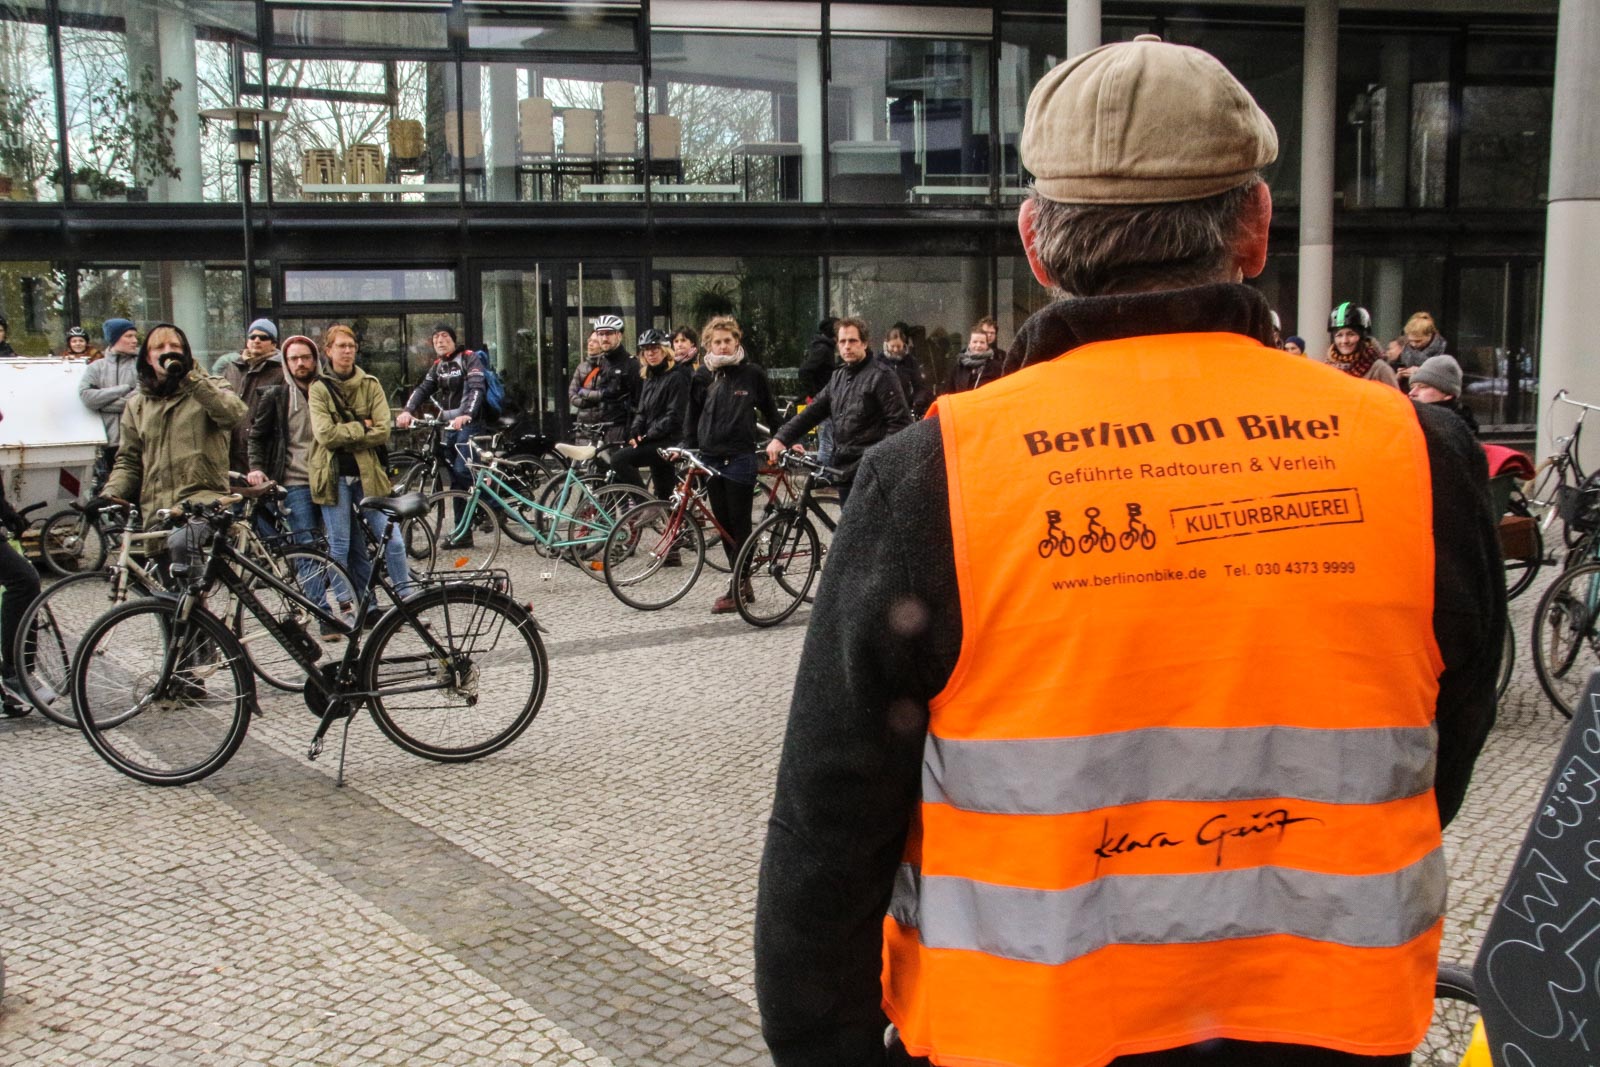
349 424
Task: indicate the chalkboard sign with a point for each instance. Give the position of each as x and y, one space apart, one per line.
1538 974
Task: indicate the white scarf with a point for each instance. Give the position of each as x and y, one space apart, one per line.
716 362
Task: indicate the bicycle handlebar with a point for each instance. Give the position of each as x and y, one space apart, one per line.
1565 399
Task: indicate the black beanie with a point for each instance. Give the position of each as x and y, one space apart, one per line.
444 327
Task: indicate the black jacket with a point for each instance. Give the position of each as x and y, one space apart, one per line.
822 356
913 383
726 426
849 778
457 379
663 406
620 385
269 431
699 379
964 376
866 404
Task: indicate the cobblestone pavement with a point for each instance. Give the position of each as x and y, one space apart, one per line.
583 897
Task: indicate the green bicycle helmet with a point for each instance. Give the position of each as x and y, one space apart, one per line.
1350 316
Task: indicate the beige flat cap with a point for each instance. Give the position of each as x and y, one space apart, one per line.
1143 122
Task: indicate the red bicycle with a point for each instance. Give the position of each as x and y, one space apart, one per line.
657 551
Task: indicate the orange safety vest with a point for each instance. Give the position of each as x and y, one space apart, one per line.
1180 784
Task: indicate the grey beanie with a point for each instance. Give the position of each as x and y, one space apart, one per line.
265 326
1441 372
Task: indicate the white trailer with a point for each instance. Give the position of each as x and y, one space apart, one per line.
48 439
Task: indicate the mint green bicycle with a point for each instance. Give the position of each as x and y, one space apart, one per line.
566 518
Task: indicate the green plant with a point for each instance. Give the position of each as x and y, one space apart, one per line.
16 153
132 127
99 183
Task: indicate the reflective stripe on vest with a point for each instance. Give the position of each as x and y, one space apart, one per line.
1179 785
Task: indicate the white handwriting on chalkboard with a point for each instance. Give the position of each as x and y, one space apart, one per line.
1533 883
1514 1056
1510 963
1573 791
1591 734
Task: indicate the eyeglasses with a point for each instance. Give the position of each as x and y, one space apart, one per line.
259 337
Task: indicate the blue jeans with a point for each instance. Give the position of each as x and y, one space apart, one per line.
825 442
304 522
349 549
460 449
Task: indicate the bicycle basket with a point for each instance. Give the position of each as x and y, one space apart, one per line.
1579 508
491 578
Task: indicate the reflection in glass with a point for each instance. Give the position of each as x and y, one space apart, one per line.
1030 45
518 336
321 27
553 29
938 297
742 115
774 298
555 131
137 72
28 152
1393 103
909 120
368 285
1505 145
33 296
381 130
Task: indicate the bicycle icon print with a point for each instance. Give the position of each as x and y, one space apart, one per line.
1058 540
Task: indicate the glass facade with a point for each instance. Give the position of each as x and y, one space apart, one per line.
549 151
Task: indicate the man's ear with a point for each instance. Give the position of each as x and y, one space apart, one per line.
1250 248
1025 221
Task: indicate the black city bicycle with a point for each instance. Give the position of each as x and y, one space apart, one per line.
77 539
779 562
164 693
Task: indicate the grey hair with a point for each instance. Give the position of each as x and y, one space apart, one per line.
1098 249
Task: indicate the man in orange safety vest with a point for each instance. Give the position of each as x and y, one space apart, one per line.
1142 679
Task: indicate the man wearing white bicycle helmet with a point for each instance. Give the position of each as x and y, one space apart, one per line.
618 381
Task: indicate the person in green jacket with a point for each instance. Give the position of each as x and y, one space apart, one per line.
174 430
349 424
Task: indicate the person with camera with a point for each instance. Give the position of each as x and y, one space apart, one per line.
175 430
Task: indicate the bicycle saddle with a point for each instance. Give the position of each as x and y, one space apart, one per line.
406 506
576 453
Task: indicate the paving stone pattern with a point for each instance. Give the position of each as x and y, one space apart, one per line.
583 897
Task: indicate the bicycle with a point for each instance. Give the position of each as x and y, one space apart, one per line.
452 672
571 521
657 550
1566 637
1097 536
1056 538
77 538
1558 485
1456 1028
1137 532
779 562
53 625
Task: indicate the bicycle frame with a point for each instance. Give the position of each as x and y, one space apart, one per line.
487 482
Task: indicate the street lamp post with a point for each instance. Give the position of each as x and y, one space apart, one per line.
246 136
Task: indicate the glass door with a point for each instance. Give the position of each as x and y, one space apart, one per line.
536 324
1497 340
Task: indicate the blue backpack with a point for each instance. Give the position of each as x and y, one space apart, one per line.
494 389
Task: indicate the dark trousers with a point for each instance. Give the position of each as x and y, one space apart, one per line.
104 460
625 461
732 495
21 583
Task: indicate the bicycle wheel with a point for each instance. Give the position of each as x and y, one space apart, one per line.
588 523
1508 660
49 634
1520 572
524 475
479 542
775 568
653 556
71 543
161 711
474 699
1455 1024
1564 636
317 578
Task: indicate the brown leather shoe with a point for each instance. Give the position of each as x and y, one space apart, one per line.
723 605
